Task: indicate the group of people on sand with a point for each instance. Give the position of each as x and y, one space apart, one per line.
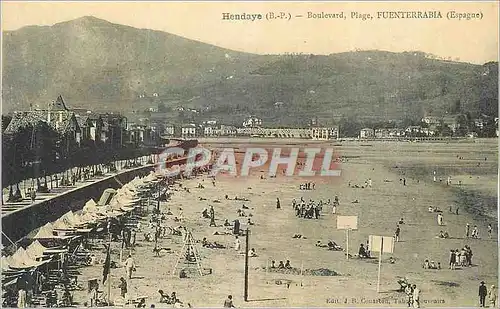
307 186
312 209
431 265
172 299
281 265
367 184
475 231
461 258
331 245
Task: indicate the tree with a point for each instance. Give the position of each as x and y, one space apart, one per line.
463 126
443 129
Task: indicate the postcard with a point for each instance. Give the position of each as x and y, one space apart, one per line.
250 154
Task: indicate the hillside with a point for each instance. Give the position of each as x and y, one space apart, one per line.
98 65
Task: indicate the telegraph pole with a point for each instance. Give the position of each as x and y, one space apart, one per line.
247 235
158 200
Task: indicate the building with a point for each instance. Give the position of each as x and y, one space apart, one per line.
496 125
252 121
136 133
168 130
382 133
57 115
188 130
479 123
324 133
228 130
452 123
431 120
210 130
366 133
396 132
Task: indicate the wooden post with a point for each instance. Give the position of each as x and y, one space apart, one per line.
380 263
301 273
245 295
159 190
347 243
109 274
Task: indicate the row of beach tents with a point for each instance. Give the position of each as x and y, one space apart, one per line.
74 225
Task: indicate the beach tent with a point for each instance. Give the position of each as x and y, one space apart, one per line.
71 219
37 250
45 231
90 206
20 259
60 224
106 196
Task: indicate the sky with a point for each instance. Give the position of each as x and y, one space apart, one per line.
474 40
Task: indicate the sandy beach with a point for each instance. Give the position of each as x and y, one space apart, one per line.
379 209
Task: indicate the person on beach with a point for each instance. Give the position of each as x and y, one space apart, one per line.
440 219
237 244
396 234
475 232
123 287
212 216
409 294
492 296
416 296
453 259
228 303
483 291
467 230
490 230
33 195
278 204
129 266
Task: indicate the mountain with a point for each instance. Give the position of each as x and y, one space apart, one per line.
99 65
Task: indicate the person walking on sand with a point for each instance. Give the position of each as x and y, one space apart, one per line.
123 287
21 298
453 259
409 294
237 244
416 297
396 234
483 291
492 296
212 216
129 266
490 230
467 230
434 178
278 204
440 219
475 232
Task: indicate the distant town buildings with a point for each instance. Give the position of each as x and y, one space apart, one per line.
366 133
113 130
